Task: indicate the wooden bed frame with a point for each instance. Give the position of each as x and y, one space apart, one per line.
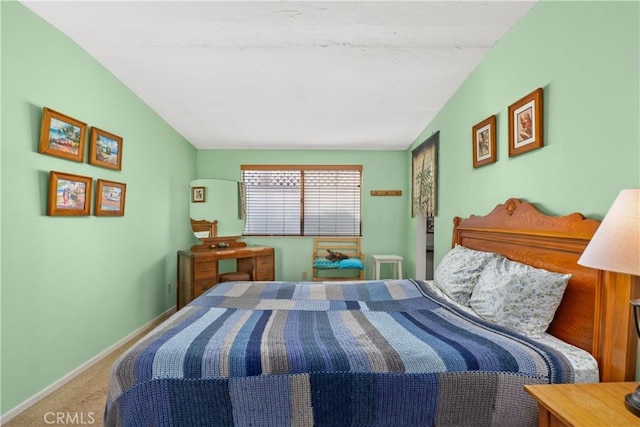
595 313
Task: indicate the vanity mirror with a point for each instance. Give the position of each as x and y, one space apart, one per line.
221 208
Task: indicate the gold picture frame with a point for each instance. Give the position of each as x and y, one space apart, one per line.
526 132
69 195
110 198
105 149
484 142
62 136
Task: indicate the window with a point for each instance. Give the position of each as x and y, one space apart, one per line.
283 200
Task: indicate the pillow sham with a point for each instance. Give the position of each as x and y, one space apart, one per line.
459 271
518 295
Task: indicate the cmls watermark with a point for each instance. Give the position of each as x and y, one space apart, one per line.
74 418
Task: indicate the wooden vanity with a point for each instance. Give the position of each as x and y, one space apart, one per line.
198 267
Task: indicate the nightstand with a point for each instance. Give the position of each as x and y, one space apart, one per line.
592 404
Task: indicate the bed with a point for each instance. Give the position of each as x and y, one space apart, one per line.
394 352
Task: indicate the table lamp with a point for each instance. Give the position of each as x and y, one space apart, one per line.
615 247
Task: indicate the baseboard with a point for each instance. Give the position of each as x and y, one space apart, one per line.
82 368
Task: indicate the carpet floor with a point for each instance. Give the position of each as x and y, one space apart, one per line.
81 401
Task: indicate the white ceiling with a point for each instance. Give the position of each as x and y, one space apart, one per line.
289 74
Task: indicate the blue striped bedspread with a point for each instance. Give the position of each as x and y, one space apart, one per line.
342 353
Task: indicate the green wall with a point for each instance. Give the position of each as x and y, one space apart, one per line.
384 218
585 56
72 287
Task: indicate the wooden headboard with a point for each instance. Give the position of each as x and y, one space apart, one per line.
595 314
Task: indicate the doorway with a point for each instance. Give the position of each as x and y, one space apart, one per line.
429 248
425 233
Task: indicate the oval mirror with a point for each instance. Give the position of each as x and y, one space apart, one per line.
217 200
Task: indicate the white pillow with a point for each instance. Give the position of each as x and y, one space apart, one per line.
518 296
459 270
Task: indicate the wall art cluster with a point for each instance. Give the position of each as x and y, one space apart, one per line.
70 195
525 130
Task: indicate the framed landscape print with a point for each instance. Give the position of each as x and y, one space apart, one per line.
484 142
105 149
69 194
62 136
525 124
110 198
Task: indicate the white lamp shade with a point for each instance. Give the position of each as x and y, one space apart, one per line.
616 244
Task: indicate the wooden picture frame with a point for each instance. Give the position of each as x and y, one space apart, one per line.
198 195
105 149
424 177
62 136
526 124
484 142
110 198
69 195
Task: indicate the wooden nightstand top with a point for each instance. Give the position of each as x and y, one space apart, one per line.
593 404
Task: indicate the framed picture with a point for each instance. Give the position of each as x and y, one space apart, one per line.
525 124
110 198
105 149
62 136
424 177
69 194
197 194
484 142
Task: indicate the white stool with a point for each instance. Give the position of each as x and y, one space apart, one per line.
396 260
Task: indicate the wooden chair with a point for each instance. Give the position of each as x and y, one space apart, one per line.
323 269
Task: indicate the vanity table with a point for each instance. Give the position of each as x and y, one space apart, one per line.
217 221
198 269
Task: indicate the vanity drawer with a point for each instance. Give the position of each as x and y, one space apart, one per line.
264 263
264 275
206 269
264 268
201 286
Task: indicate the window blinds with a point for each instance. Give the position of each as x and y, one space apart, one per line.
302 200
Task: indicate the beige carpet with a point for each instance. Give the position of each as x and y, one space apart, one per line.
81 401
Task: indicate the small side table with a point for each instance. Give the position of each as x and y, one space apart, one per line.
396 260
585 404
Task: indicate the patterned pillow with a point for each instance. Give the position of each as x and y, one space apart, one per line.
459 270
518 296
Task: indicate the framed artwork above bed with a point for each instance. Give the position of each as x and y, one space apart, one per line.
484 142
526 131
